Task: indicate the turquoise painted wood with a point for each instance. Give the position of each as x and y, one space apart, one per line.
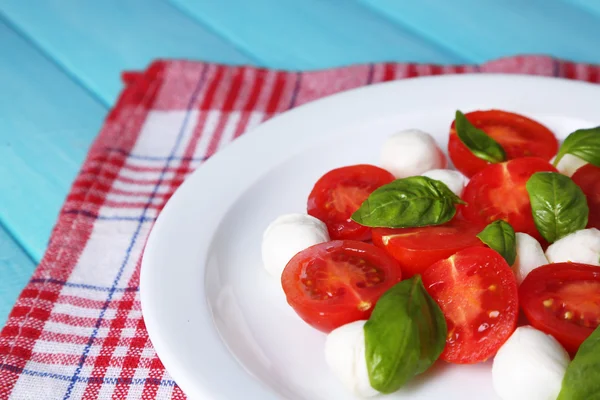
93 41
591 6
47 123
60 65
15 269
312 34
485 29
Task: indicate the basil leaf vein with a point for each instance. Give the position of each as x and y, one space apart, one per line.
476 140
404 336
583 143
500 236
582 379
558 205
409 202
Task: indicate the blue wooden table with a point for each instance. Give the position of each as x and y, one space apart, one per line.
60 64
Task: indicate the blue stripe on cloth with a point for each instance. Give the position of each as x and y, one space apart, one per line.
134 238
85 286
152 158
108 218
91 379
296 90
371 74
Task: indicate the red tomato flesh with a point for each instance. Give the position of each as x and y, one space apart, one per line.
563 300
477 292
519 136
417 248
498 192
334 283
588 179
340 192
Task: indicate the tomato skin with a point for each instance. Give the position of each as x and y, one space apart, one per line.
588 179
418 248
561 299
334 283
340 192
477 292
498 192
518 135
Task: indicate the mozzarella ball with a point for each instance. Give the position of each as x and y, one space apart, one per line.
582 246
530 255
530 365
410 153
345 355
453 179
569 164
287 236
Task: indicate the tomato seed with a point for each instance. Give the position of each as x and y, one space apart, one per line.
568 315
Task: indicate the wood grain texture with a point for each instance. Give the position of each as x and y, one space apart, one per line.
311 34
94 41
486 29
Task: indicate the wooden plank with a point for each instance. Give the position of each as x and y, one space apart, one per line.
311 34
487 29
47 123
96 40
15 270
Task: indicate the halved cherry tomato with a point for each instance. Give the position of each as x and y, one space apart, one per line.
563 300
340 192
477 292
588 179
334 283
519 136
498 192
417 248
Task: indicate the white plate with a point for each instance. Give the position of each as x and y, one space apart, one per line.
219 322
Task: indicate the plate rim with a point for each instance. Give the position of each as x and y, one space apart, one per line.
149 286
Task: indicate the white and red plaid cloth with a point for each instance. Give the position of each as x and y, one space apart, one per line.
77 330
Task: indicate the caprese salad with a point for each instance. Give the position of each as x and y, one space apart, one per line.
410 262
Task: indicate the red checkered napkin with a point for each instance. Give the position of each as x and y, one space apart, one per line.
77 330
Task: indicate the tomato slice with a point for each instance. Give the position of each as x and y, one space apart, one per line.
563 300
340 192
417 248
477 292
498 192
519 136
588 179
334 283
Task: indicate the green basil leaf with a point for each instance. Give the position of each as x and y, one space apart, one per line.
500 236
404 336
583 143
409 202
558 205
582 379
476 140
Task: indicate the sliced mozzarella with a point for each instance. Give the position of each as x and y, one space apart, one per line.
288 235
453 179
582 246
345 355
529 366
569 164
530 255
410 153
